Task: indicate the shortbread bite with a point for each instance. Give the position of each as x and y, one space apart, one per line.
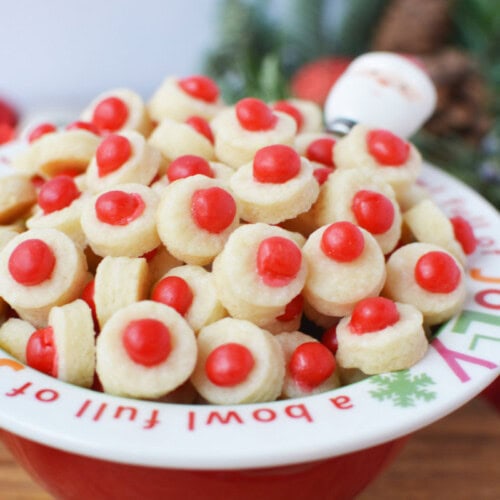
253 355
126 371
141 167
135 117
352 151
121 221
402 286
7 233
307 113
334 287
274 202
57 152
14 335
58 273
119 282
395 347
160 261
242 285
185 225
171 101
17 196
337 197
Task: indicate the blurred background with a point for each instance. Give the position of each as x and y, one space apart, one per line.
57 55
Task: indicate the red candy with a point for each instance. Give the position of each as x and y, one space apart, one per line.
464 234
188 165
437 272
373 314
329 339
32 262
278 261
200 87
321 151
292 309
118 208
88 297
290 109
201 126
276 164
387 148
173 291
229 364
147 341
81 125
41 351
255 115
311 364
42 129
213 209
110 114
342 242
112 153
373 211
321 174
57 193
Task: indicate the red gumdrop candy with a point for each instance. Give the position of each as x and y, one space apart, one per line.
290 109
373 211
387 148
118 208
42 129
82 125
293 309
229 364
437 272
147 341
373 314
464 234
112 153
255 115
41 351
32 262
188 165
278 261
173 291
200 87
321 151
57 193
276 164
321 174
213 209
342 241
311 364
329 339
88 297
201 126
110 114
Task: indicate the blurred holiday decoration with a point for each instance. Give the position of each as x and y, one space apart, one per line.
8 121
304 51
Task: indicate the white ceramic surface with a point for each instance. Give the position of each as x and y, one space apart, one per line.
463 359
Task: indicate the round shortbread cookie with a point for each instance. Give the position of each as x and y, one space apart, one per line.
136 116
274 202
140 167
333 287
121 221
119 281
126 371
195 217
249 289
6 234
49 277
235 146
294 387
17 196
14 335
259 378
401 284
171 101
160 261
352 151
395 347
379 214
54 153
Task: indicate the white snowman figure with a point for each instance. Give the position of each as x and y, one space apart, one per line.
381 90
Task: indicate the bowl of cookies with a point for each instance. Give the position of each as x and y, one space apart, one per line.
201 299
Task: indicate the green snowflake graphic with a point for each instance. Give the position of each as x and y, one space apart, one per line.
403 389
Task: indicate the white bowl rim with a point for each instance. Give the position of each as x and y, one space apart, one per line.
463 359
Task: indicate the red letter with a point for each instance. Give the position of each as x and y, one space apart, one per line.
153 420
342 402
16 392
300 413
